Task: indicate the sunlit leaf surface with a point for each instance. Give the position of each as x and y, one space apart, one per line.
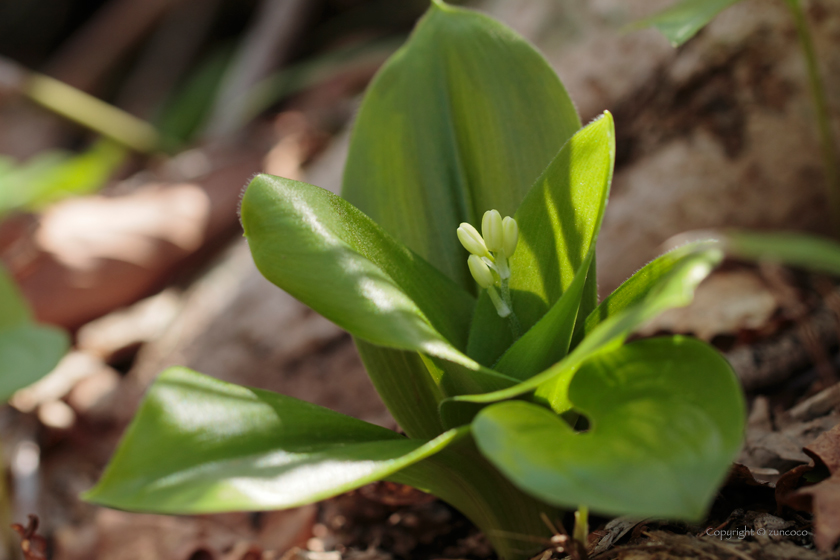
461 120
199 445
666 419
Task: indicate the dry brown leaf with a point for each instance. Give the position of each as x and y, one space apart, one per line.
779 447
81 233
823 497
726 303
127 536
94 254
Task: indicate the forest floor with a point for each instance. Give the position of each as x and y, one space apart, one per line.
152 272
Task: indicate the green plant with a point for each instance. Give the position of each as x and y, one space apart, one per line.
465 118
28 351
53 175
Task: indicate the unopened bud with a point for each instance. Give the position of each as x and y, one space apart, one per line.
472 241
511 236
491 229
480 271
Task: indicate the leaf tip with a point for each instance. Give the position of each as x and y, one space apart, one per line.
253 196
89 495
242 193
441 5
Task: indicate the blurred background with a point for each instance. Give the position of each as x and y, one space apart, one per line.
128 129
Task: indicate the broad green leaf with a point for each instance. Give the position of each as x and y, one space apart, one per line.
27 353
558 222
793 249
465 377
406 387
684 19
548 341
666 420
199 445
675 289
332 257
461 120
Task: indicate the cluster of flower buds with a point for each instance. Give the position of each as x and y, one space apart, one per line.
489 254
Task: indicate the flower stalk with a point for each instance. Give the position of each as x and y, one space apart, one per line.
488 260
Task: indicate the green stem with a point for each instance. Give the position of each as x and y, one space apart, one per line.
502 307
580 534
513 320
461 476
827 139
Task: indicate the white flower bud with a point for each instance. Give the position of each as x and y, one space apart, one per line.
511 236
471 240
480 271
491 229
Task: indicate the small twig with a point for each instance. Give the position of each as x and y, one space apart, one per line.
33 545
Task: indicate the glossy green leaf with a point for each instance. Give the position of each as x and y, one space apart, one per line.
329 255
332 257
461 120
558 221
666 420
683 20
199 445
406 387
548 341
674 289
793 249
